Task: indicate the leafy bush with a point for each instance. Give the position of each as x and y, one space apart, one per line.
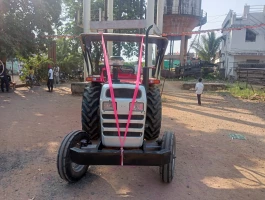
245 91
40 65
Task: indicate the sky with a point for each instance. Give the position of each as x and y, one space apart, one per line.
218 9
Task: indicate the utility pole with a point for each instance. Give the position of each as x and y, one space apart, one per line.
150 15
106 11
86 23
110 18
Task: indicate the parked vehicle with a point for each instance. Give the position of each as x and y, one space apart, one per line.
121 114
32 81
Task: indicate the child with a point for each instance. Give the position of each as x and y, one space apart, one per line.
31 72
199 90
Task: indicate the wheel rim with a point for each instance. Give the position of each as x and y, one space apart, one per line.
76 167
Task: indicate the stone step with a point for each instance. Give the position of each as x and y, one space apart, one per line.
77 88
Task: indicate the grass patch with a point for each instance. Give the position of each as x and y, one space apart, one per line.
246 91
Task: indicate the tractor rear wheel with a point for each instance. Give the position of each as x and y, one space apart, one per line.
153 114
167 170
67 169
90 110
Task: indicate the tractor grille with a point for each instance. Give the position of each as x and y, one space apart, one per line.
133 117
129 134
109 132
122 125
135 128
124 93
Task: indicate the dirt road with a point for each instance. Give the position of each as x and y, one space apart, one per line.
210 165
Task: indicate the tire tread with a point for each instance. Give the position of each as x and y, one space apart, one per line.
153 114
90 107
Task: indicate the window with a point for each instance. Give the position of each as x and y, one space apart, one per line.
250 36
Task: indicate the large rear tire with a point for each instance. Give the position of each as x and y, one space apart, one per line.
167 170
153 114
68 170
90 110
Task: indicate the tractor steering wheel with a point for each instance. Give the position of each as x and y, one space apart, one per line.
127 69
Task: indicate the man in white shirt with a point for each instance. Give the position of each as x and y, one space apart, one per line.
50 79
199 90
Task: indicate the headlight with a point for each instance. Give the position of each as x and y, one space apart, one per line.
107 106
138 106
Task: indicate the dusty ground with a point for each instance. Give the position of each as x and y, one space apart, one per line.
210 165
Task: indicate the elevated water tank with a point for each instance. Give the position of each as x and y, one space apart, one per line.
182 16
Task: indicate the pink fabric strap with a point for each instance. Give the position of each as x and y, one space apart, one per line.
122 141
111 87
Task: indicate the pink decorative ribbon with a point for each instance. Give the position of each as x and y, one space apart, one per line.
122 141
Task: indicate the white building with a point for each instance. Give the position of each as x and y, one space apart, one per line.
243 46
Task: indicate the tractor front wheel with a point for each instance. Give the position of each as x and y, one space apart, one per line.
167 170
67 169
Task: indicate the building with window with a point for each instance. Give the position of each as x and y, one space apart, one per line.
243 47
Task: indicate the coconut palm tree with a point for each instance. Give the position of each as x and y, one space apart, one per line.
207 47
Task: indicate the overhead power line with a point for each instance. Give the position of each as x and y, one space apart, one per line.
218 29
177 34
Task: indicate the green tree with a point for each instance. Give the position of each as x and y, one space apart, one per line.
128 10
69 55
208 46
122 10
22 23
68 50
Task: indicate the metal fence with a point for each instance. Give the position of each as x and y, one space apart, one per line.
181 10
251 75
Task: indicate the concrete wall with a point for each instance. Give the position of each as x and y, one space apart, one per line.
238 42
78 87
227 20
230 64
15 66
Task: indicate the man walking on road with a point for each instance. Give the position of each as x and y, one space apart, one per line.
50 79
199 90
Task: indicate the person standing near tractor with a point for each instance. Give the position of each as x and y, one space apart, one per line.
50 79
199 90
